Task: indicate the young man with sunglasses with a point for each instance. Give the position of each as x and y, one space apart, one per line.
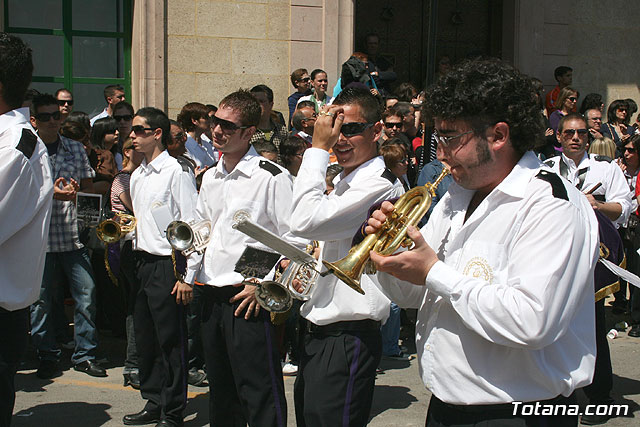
161 191
342 346
66 255
239 342
65 102
123 114
113 94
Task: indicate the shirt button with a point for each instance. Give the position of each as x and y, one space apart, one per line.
428 347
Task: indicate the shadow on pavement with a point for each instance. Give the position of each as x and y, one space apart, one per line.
200 407
390 397
63 414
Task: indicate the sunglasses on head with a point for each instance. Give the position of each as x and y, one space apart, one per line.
390 125
45 117
225 125
125 117
61 102
354 128
140 130
568 133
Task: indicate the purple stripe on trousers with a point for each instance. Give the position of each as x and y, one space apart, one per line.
272 371
352 379
183 357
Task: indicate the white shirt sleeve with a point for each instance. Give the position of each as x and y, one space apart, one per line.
618 192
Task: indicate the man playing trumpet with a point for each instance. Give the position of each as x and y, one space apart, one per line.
505 311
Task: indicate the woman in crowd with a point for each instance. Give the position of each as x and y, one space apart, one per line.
320 83
616 127
565 104
104 134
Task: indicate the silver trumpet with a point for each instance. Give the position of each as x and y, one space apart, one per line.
277 295
189 238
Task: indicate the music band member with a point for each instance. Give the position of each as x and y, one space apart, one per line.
342 349
505 313
240 349
161 191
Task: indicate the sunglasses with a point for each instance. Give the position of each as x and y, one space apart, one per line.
390 125
572 99
125 118
140 130
225 125
630 150
305 80
354 128
568 133
45 117
61 102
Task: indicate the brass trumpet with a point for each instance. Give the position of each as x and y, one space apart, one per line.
114 229
409 210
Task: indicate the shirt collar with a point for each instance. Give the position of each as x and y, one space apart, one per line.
156 164
14 117
584 162
245 165
362 172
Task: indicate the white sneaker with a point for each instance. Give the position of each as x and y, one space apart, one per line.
289 369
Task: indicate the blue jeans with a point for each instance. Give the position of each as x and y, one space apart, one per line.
391 332
75 266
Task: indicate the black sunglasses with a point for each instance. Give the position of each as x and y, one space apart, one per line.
45 117
354 128
568 133
61 102
631 150
573 99
126 118
390 125
305 80
225 125
140 130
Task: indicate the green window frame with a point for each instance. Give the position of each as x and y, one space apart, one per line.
68 80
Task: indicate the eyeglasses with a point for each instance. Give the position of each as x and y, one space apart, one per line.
568 133
45 117
630 149
446 140
572 99
305 80
61 102
313 117
390 125
125 118
354 128
178 136
596 119
140 130
225 125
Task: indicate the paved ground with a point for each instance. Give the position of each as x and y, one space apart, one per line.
75 399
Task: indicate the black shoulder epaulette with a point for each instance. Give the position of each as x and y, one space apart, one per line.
602 158
557 187
27 143
389 175
270 167
550 162
186 164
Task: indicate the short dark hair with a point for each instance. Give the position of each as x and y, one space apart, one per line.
633 108
611 111
369 106
244 103
306 104
124 104
570 116
75 130
100 128
590 101
210 108
263 146
390 112
317 71
111 90
42 100
290 147
263 89
16 69
192 111
484 92
157 119
297 75
561 71
406 92
80 117
62 89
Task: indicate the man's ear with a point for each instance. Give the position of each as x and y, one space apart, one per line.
377 130
33 122
501 135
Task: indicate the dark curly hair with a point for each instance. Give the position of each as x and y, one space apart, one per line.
487 91
16 68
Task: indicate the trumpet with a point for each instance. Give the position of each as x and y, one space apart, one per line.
409 210
189 238
114 229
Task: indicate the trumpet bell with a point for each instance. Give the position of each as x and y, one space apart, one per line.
349 269
109 231
273 297
180 235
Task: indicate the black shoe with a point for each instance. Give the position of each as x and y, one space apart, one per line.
132 379
592 420
90 367
167 423
48 369
141 418
634 331
196 378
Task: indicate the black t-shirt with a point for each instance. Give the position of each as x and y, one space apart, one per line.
52 148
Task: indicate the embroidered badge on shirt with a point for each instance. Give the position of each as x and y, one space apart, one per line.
478 267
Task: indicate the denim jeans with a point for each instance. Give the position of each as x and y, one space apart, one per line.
76 268
391 332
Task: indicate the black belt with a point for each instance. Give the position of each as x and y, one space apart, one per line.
146 256
506 408
345 326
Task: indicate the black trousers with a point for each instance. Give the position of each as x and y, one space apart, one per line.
336 377
161 339
441 414
599 391
194 325
243 364
14 335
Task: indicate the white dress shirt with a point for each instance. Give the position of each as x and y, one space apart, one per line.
507 313
264 193
201 154
100 115
26 196
614 186
161 183
334 219
208 145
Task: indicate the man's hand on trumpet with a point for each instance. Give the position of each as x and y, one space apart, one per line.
413 265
